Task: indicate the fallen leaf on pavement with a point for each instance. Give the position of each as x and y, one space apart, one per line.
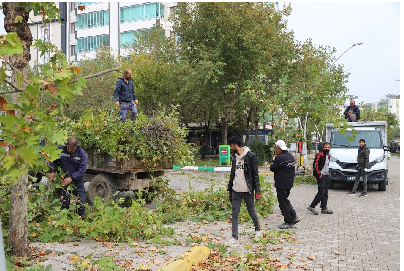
336 252
311 258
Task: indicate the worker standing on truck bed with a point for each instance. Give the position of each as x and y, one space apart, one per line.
125 97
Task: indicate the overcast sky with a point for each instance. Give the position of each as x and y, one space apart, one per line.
374 65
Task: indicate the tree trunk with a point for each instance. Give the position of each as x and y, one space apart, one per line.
11 11
16 20
225 125
247 137
18 232
256 122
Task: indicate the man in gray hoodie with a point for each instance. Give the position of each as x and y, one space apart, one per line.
243 183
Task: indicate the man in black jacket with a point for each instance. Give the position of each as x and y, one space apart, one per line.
363 166
283 167
124 95
321 172
243 183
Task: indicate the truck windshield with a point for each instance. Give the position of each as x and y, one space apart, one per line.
372 138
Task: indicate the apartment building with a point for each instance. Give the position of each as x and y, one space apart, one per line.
86 26
392 105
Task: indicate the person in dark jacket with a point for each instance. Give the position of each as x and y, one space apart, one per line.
363 166
73 164
125 97
243 185
355 110
283 167
321 172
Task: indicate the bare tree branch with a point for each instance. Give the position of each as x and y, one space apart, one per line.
95 74
17 89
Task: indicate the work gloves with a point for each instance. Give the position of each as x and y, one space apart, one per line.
135 102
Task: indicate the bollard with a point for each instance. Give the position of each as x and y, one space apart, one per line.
2 254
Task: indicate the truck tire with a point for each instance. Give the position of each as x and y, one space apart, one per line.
102 186
382 186
331 184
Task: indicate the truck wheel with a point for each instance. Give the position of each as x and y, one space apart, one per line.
102 186
331 184
382 186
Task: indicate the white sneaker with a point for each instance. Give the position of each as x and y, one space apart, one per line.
232 242
258 236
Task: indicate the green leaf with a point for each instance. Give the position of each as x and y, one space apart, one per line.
12 45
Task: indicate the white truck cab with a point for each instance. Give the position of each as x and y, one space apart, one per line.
344 152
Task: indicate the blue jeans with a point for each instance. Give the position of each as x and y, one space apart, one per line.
124 106
235 210
322 194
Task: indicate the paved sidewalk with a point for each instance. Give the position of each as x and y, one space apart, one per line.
362 234
365 230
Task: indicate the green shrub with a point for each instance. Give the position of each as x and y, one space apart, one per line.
305 179
262 151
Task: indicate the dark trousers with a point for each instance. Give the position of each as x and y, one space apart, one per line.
361 172
236 198
322 194
77 191
284 204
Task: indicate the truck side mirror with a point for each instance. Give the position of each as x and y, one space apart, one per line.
320 146
386 148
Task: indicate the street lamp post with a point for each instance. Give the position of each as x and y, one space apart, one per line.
353 45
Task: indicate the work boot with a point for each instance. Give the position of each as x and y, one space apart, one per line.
313 210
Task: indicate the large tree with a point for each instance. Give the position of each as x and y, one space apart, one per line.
30 124
226 44
308 94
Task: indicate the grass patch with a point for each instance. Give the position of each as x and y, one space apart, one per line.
208 162
305 179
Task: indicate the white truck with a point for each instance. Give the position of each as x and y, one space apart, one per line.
344 152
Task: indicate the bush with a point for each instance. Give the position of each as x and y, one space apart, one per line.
262 151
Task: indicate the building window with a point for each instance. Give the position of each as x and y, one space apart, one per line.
142 12
73 50
93 19
90 44
127 38
72 28
72 6
45 35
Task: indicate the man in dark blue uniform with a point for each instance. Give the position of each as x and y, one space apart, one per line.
73 163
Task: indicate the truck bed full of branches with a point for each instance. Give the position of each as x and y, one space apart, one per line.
151 139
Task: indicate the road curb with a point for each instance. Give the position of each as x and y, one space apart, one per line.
189 258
